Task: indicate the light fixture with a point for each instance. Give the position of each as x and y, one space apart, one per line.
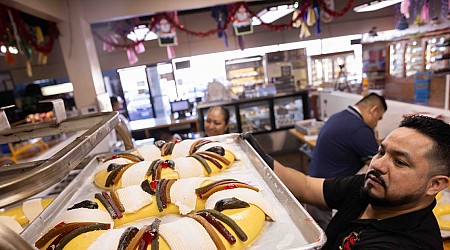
142 32
375 5
271 14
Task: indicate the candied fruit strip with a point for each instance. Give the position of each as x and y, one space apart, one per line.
52 233
85 204
117 201
203 162
113 204
158 196
126 237
224 186
147 187
218 225
169 185
164 183
210 185
152 165
74 233
131 157
211 159
217 157
230 203
112 175
230 222
114 166
120 173
106 204
136 239
214 236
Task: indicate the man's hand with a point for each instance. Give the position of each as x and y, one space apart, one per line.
255 144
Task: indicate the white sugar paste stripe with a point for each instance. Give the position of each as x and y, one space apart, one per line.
149 152
32 208
133 198
182 148
187 167
135 174
186 234
182 193
109 240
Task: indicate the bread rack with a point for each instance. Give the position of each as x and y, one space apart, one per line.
23 180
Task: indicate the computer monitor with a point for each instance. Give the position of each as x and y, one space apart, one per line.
180 107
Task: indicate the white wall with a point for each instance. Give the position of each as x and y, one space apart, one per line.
391 119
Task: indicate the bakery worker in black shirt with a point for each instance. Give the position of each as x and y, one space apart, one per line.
390 207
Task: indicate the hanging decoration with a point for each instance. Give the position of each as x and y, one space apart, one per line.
404 8
324 16
242 23
237 14
425 13
220 15
166 33
29 35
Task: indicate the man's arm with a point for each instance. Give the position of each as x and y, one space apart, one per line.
307 189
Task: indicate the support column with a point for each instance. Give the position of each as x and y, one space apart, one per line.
80 57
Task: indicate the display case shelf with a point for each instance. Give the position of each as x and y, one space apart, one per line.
245 73
263 114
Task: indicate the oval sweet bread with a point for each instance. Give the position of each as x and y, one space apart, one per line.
28 211
189 158
222 214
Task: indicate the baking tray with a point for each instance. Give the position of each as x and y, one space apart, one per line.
293 229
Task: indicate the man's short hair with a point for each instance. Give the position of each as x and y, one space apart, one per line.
439 132
373 99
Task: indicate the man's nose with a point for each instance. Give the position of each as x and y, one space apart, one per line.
380 163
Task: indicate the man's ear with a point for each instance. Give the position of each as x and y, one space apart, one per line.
437 184
374 109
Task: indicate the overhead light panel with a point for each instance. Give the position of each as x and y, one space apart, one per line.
375 5
271 14
142 32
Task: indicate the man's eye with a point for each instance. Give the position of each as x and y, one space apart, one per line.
399 162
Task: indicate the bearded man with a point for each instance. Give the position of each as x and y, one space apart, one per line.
390 207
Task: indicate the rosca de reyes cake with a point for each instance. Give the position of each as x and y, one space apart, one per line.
179 160
212 214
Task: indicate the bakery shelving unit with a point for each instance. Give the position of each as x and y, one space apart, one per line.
245 74
413 57
397 59
23 180
263 114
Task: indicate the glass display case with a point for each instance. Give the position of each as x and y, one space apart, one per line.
262 114
413 57
287 111
397 59
437 54
255 117
245 74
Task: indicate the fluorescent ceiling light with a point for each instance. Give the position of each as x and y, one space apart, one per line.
243 60
142 33
375 5
269 15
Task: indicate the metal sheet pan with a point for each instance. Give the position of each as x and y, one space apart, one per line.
293 229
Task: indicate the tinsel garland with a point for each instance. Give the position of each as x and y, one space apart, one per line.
229 19
26 32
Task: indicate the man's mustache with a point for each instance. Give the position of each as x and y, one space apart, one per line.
377 175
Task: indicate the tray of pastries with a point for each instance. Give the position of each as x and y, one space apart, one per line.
208 193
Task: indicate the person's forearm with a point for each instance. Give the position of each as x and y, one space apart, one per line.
307 189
